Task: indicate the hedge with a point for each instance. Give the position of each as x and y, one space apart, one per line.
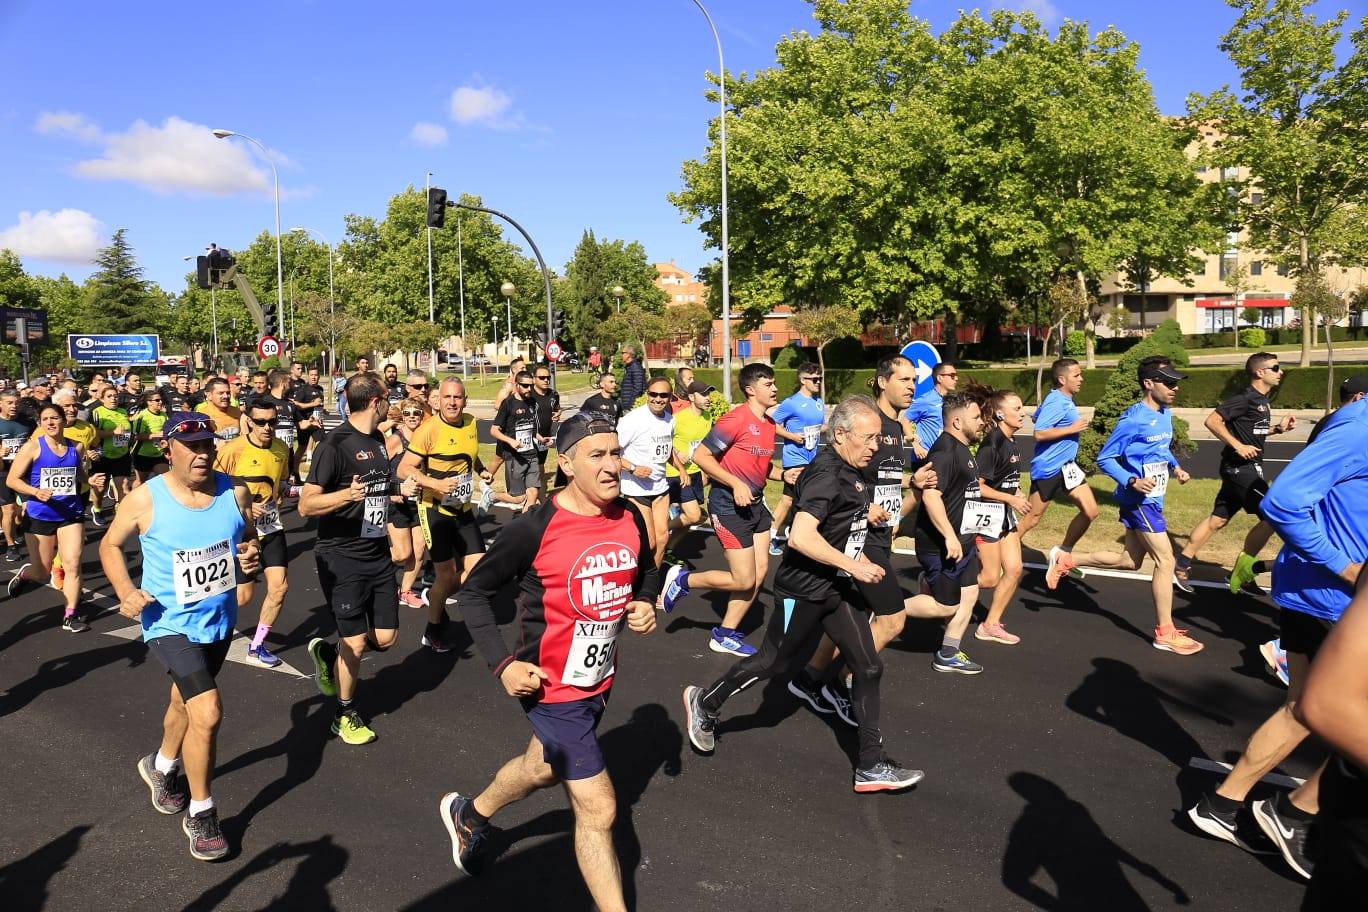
1302 387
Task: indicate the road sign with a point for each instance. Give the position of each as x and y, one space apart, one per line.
35 320
268 347
554 350
743 349
924 358
113 350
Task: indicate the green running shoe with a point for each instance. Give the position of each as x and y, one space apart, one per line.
352 729
323 654
1242 577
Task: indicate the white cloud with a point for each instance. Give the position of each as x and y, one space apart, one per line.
68 235
67 123
1045 10
483 106
428 134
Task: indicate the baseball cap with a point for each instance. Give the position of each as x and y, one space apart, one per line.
188 427
1352 386
580 425
698 386
1164 372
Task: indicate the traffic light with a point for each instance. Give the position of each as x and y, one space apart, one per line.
202 271
436 207
269 318
557 323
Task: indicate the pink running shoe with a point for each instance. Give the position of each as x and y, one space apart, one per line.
409 599
997 633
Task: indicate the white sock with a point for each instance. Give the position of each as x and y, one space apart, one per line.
199 807
165 766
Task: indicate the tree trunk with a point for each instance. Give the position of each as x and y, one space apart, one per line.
821 365
1090 340
1308 327
1330 367
951 340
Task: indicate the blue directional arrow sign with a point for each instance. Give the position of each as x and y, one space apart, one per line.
924 358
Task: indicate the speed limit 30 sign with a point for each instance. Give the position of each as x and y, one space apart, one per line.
268 347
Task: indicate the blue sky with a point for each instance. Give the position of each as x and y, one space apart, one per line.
567 115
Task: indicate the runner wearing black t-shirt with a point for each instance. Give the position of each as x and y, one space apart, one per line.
1243 423
348 489
515 430
952 514
815 589
287 421
548 405
999 545
308 398
605 401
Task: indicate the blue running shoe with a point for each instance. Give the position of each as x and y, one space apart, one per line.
777 546
959 663
260 655
724 639
675 512
676 587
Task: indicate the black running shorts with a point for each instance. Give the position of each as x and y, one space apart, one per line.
361 594
192 666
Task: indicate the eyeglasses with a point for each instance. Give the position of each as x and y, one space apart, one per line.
543 376
419 386
524 386
949 376
657 395
260 422
1275 368
412 413
811 379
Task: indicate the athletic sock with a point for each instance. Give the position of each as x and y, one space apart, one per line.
164 766
1292 812
950 647
260 636
68 612
1184 562
1223 805
199 807
343 706
472 818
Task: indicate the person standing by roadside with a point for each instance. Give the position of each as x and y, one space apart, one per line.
633 379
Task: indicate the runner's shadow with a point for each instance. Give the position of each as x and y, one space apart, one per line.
420 671
1058 836
1073 595
29 624
320 862
64 670
23 882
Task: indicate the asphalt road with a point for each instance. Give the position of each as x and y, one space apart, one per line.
1056 780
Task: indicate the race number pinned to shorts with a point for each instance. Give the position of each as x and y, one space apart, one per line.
590 658
60 480
202 572
461 494
374 516
1157 472
11 446
269 521
981 516
1073 475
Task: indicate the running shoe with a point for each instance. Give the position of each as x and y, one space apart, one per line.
58 578
1289 836
1242 577
73 623
959 663
1176 640
776 546
886 776
812 696
1275 657
410 599
675 588
14 553
1238 828
169 795
1182 579
435 639
486 498
260 655
699 721
724 639
352 729
17 583
996 633
323 654
1060 563
207 842
468 846
675 512
838 695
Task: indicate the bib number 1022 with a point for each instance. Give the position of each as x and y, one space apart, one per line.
201 575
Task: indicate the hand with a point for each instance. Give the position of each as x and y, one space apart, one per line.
43 494
919 449
258 510
409 486
249 556
98 479
522 679
877 515
1020 504
863 570
357 492
1079 426
486 476
642 471
1245 451
953 549
1182 475
1143 485
742 495
791 475
641 617
925 477
444 485
1350 574
131 605
1288 424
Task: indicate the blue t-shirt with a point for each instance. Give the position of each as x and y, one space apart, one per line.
802 415
1139 447
925 413
1319 506
1058 410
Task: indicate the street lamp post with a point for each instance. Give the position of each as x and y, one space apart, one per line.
726 266
507 289
275 176
494 323
332 301
460 279
619 292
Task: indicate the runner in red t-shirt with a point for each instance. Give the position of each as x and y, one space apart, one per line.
738 455
583 564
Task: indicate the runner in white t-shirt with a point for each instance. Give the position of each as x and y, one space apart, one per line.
646 435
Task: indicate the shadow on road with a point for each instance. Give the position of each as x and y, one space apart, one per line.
59 672
23 882
320 862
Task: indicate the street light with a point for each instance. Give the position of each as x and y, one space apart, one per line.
332 302
213 310
494 322
507 289
275 176
726 267
618 292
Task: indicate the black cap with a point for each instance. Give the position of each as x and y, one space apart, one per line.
1164 372
1352 386
580 425
698 386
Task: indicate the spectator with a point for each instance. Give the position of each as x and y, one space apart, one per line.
633 379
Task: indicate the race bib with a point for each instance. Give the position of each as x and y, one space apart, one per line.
202 572
523 435
269 521
811 435
591 655
889 496
855 542
1158 472
981 516
461 494
60 480
374 516
120 440
1073 475
663 446
286 435
11 446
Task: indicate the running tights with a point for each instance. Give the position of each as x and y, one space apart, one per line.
793 628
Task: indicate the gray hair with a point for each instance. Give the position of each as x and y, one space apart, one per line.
843 416
63 396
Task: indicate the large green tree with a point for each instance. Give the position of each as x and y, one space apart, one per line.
594 270
117 298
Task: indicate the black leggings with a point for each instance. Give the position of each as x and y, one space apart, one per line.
794 626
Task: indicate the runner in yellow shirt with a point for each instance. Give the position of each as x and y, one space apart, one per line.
691 425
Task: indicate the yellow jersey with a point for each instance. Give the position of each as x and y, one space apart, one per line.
690 427
227 422
447 451
262 469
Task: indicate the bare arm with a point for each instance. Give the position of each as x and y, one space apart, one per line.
705 460
498 434
804 536
1216 424
313 501
133 517
934 505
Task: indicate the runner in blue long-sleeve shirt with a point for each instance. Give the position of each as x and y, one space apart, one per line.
1139 457
925 410
1319 506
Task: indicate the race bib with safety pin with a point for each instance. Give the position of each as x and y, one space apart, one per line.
889 496
120 440
374 516
1158 472
461 494
202 572
60 480
591 655
855 542
269 521
286 435
1073 475
981 516
811 435
11 446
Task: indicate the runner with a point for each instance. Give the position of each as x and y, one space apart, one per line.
679 396
515 430
348 489
815 589
999 546
1138 456
685 479
288 418
308 398
646 435
443 457
227 418
1243 423
260 462
737 456
1319 506
48 472
12 437
548 405
515 367
582 567
408 548
149 458
193 525
798 422
1054 469
925 410
114 464
605 401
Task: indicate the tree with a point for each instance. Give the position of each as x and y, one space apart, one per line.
821 325
117 298
1297 128
1315 299
595 269
17 289
634 326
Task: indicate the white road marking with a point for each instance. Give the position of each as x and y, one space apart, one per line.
1102 572
1216 766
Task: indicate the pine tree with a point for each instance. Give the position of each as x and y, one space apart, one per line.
118 299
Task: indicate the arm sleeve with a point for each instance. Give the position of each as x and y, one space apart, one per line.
647 585
1109 458
1291 500
782 413
508 558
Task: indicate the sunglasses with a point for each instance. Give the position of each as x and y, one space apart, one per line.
413 413
1275 368
260 422
1171 384
419 386
524 386
543 376
812 379
191 426
657 395
150 401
